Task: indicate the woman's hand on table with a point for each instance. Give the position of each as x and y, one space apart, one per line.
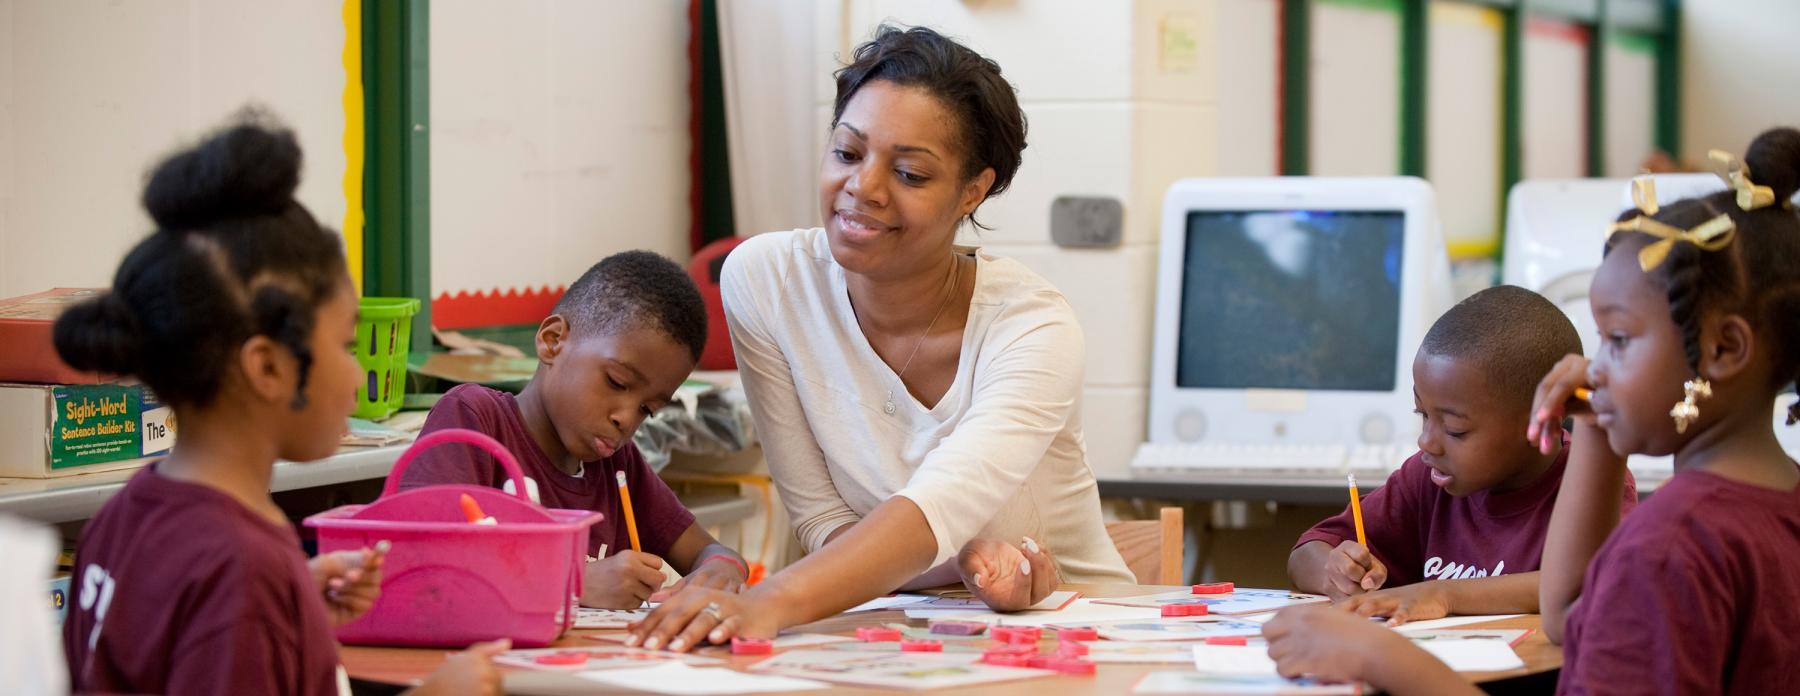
1007 577
697 615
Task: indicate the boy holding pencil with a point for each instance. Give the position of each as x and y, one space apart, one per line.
1459 528
612 352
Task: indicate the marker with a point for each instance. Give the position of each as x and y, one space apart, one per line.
472 510
630 518
1356 512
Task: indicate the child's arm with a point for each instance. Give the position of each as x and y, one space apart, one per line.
1587 507
1326 643
1344 571
704 562
1505 594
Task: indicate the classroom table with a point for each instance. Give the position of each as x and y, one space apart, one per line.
402 666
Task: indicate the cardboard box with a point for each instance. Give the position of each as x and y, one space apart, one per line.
63 429
27 353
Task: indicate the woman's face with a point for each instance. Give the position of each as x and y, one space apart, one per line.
891 188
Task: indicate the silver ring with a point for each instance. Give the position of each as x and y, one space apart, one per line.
712 609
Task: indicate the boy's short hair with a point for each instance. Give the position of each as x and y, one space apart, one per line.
1512 335
637 289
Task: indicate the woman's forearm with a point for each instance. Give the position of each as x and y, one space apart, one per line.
885 550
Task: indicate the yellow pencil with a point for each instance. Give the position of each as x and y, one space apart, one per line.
1355 512
631 519
1584 393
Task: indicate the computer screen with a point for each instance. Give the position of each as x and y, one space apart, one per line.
1291 299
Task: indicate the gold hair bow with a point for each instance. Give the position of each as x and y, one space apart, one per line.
1737 175
1712 235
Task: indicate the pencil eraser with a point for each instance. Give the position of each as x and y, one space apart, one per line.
1214 588
1072 665
1228 640
1176 610
751 646
1005 660
1018 634
958 628
1071 649
1018 650
1079 633
921 645
877 634
566 657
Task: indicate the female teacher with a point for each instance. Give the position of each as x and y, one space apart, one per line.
919 403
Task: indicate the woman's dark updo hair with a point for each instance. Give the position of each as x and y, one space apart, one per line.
1758 275
233 256
990 126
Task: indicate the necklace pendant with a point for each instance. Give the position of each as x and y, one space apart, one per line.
888 408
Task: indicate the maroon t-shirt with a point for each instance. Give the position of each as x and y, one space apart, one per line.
179 589
1422 533
661 518
1698 592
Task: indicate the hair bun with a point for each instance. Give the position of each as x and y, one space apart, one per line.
249 168
99 335
1774 161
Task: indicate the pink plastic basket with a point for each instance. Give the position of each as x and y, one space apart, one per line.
449 583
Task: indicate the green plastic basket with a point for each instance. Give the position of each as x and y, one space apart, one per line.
383 332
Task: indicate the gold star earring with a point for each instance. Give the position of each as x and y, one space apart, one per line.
1688 411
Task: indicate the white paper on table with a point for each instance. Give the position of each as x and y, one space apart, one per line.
1192 628
1509 636
600 657
1121 652
1081 612
1473 655
677 678
1243 660
888 602
1247 600
1055 601
586 617
1450 621
1237 685
788 640
902 670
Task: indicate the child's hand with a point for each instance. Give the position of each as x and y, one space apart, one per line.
1416 602
350 580
1324 643
715 573
1351 570
1555 399
468 672
621 581
1007 577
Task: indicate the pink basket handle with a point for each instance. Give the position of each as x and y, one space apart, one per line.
465 436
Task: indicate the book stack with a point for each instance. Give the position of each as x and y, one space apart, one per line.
57 421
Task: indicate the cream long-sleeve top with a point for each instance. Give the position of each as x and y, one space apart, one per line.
1000 456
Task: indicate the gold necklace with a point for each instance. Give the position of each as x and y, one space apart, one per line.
888 408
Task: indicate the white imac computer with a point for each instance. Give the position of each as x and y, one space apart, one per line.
1555 231
1287 314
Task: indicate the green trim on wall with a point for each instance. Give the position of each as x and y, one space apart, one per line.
397 166
717 219
1668 80
1596 98
1296 78
1414 44
1511 113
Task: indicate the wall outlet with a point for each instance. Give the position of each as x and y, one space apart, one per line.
1086 222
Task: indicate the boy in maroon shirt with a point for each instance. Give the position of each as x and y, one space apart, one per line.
614 350
1459 528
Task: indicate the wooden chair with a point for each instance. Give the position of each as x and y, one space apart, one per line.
1152 548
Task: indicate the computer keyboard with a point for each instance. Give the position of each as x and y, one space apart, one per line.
1373 462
